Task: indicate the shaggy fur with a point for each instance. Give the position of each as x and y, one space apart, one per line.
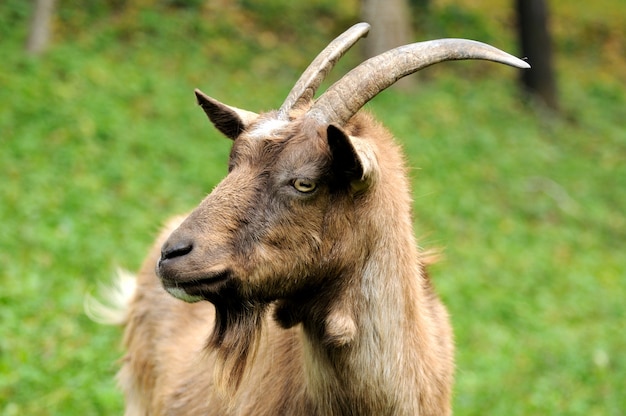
325 308
296 287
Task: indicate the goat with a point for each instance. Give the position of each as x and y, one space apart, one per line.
319 301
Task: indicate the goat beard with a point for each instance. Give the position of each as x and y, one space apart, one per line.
235 338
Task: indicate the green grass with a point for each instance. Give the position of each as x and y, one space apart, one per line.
101 142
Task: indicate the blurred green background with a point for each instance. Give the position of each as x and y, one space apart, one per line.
101 141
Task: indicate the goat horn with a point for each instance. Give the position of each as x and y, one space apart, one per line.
312 77
345 97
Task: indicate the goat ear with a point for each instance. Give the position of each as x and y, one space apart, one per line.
231 121
353 156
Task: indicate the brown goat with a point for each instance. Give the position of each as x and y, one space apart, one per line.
318 298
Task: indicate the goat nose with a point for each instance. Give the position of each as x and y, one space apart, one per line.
176 249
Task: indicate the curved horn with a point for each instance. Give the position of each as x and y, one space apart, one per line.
312 77
345 97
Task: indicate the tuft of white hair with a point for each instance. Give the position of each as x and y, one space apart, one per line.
110 306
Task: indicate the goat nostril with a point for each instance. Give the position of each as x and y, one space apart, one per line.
176 250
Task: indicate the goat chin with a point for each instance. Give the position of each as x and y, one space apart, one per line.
111 304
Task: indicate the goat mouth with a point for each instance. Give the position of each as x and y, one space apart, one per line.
203 288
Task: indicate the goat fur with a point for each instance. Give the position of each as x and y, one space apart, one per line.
373 340
297 287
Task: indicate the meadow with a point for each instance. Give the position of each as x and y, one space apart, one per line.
101 141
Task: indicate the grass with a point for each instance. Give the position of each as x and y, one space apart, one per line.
101 142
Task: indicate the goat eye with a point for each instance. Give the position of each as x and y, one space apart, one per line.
304 185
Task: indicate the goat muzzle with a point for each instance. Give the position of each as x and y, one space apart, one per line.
181 279
179 249
172 254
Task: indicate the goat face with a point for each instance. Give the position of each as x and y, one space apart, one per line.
263 233
285 216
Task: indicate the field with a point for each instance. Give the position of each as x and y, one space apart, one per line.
101 142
